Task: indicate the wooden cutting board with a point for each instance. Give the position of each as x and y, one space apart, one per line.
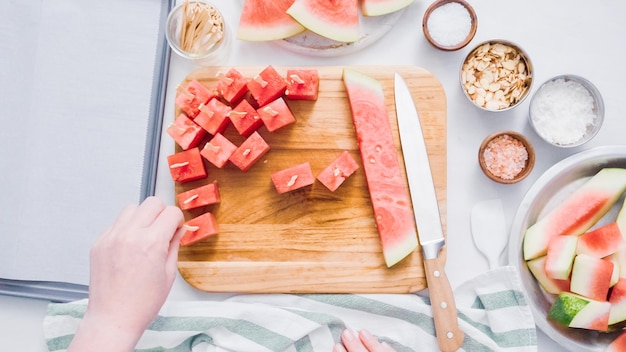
310 240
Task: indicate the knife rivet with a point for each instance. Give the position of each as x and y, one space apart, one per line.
436 273
443 305
449 335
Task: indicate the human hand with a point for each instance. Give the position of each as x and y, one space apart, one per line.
365 342
132 270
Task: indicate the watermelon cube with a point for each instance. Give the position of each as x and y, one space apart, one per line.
267 86
186 132
338 171
245 118
198 197
618 302
295 177
231 86
189 98
600 242
249 152
617 345
550 285
580 312
218 150
560 257
591 277
186 166
302 84
578 212
213 116
198 229
276 115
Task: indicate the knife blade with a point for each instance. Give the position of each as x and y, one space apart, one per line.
427 217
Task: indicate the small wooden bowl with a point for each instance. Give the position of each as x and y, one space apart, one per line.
526 169
463 43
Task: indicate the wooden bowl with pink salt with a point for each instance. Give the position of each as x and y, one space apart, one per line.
506 157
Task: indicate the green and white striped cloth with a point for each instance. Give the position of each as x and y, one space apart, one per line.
493 313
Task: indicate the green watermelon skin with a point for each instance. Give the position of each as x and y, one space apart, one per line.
577 311
388 192
265 20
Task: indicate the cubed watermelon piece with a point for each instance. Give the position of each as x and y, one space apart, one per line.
189 98
245 118
276 115
199 228
186 132
550 285
198 197
338 171
218 150
231 86
617 345
618 302
249 152
385 179
560 257
578 212
591 277
213 116
295 177
577 311
267 86
600 242
302 84
186 165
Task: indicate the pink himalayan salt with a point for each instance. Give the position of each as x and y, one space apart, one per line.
505 157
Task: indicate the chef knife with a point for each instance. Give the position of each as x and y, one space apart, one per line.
427 218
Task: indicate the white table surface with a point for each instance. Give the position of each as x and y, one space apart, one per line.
565 36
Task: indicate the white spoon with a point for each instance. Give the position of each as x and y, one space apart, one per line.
489 230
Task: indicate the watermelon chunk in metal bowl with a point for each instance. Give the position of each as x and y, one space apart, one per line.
544 195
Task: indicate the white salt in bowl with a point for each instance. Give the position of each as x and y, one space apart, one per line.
449 25
566 111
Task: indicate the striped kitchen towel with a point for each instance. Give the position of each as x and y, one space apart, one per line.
493 313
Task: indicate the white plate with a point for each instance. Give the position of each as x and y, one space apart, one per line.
546 193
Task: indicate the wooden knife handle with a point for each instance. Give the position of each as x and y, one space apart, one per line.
449 336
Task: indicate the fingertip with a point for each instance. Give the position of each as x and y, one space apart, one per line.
339 348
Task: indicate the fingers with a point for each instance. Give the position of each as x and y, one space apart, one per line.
372 344
339 348
148 211
365 342
166 223
352 342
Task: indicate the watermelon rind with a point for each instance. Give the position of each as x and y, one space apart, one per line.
341 26
263 20
566 306
383 7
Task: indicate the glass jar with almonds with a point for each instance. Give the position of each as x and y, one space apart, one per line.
496 75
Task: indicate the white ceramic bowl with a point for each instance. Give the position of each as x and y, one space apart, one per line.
551 188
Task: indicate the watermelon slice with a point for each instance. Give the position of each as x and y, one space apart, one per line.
198 197
189 98
186 166
218 150
249 152
382 7
334 19
302 84
580 312
267 86
618 302
276 115
198 229
550 285
560 257
388 191
338 171
591 277
186 132
578 212
600 242
617 345
621 219
263 20
245 118
295 177
213 116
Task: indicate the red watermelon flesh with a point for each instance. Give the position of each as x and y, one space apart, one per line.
198 197
302 84
189 98
560 257
388 192
267 86
263 20
218 150
334 19
245 118
185 132
617 345
249 152
199 228
600 242
618 302
186 166
578 212
295 177
276 115
231 86
591 277
382 7
338 171
213 116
